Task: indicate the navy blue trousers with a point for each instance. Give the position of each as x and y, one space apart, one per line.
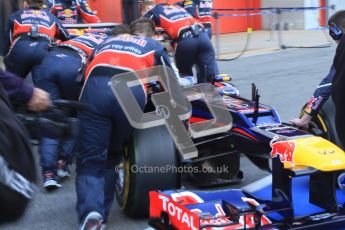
25 56
103 130
57 75
197 50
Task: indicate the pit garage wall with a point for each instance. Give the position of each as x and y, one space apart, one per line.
111 11
310 19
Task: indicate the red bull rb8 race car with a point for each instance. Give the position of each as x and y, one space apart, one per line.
302 192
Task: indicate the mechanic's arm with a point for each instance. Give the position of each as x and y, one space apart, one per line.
36 99
86 13
151 15
8 37
48 5
62 33
321 94
164 58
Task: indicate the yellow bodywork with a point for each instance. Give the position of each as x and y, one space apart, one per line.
317 153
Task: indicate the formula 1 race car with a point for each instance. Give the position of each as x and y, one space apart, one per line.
81 28
289 153
302 192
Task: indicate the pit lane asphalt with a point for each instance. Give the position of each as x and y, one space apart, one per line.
286 80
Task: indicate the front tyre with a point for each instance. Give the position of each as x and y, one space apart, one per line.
325 122
147 164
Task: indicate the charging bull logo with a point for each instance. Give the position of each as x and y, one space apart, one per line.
68 13
285 150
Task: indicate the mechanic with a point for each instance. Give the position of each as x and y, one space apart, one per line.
202 11
31 32
193 46
68 11
105 127
332 85
7 8
16 89
58 75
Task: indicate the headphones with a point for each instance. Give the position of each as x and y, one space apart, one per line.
335 32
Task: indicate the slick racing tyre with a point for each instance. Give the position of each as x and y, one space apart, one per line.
324 122
146 165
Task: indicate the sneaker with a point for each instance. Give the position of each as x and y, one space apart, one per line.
50 181
341 180
62 169
93 221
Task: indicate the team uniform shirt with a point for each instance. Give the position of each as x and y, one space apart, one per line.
24 22
200 9
321 94
173 19
126 53
67 11
85 44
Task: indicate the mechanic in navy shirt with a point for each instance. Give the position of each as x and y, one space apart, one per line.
58 76
71 11
105 127
193 46
31 32
201 10
18 90
333 84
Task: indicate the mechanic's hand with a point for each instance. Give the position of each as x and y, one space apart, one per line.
39 101
303 121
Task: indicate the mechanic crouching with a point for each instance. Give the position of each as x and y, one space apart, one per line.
71 11
201 10
105 127
31 31
58 75
193 46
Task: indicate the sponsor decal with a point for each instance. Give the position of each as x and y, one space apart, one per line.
326 151
169 9
206 4
128 38
177 214
96 38
67 13
186 197
35 14
284 149
313 104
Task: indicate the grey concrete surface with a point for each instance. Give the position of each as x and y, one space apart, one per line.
266 41
286 80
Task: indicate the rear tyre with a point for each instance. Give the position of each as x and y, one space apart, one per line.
142 169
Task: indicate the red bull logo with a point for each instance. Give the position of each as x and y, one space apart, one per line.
285 150
68 13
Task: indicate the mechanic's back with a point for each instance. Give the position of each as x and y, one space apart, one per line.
105 127
30 33
71 11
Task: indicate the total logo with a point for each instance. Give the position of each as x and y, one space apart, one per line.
176 213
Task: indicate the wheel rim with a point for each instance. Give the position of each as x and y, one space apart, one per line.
120 182
123 177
